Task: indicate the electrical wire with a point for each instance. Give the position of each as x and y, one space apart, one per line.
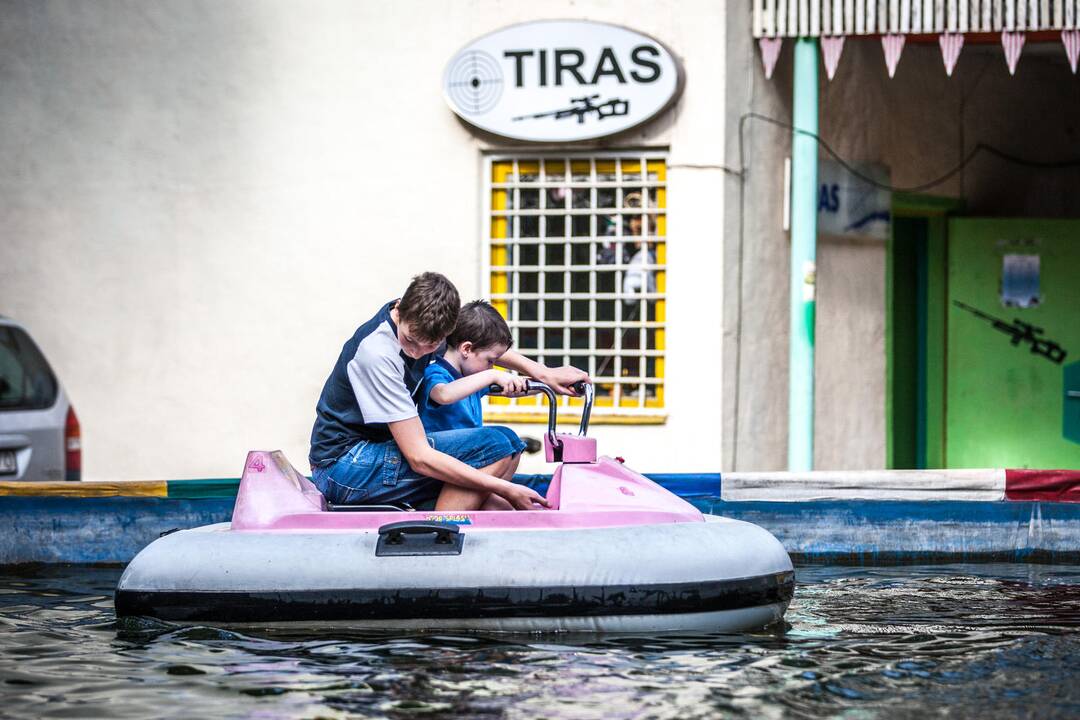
975 151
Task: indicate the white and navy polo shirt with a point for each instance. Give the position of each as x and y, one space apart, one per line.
373 383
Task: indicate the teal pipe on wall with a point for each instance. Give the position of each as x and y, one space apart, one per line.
804 189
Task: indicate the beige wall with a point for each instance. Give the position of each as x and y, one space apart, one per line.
201 201
849 378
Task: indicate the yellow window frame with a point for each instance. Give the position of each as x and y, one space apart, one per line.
505 178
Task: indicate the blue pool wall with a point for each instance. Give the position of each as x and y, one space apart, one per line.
111 530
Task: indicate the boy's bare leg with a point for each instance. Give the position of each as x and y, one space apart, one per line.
494 502
453 497
512 462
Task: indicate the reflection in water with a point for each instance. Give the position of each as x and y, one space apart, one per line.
859 642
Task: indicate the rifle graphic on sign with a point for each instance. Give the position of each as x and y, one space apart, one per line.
1021 332
582 107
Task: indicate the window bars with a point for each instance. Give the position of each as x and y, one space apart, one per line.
578 253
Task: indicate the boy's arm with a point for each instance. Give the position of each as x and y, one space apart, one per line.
559 379
451 392
426 460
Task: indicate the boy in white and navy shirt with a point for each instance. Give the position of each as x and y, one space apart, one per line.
368 444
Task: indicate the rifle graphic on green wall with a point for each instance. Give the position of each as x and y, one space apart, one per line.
1021 332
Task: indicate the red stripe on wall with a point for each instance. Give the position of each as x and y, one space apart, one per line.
1048 485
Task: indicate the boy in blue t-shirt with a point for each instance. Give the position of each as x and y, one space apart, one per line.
455 382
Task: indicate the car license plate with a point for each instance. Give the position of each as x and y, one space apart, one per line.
7 462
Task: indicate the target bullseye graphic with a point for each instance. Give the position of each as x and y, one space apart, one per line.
474 82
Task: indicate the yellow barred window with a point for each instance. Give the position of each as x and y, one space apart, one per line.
578 252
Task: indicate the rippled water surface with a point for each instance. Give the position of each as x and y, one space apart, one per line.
960 640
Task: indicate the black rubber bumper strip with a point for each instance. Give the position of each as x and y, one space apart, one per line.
365 604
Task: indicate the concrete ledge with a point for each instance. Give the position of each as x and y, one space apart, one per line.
207 487
986 485
147 488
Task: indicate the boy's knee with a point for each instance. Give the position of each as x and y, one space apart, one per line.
510 466
453 497
501 466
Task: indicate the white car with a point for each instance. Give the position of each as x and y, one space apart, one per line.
39 432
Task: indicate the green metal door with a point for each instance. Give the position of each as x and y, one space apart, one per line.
1013 371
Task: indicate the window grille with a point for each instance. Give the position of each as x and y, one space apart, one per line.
578 252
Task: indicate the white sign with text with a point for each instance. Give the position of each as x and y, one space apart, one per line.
561 80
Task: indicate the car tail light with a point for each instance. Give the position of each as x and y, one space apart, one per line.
72 447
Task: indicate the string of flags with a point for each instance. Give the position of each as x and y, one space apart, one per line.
892 44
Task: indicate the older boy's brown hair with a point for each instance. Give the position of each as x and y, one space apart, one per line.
482 325
430 305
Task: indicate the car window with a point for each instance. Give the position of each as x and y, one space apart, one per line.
26 382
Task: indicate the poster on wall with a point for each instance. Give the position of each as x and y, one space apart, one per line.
849 206
1020 280
561 81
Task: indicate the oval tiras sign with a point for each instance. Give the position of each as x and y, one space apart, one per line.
561 80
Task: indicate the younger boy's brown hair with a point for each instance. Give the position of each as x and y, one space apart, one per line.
430 305
482 325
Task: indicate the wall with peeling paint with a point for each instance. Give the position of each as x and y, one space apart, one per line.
921 124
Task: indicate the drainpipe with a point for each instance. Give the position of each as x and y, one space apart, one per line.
804 184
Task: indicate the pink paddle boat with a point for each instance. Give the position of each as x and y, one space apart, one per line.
615 553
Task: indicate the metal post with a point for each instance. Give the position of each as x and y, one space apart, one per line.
804 192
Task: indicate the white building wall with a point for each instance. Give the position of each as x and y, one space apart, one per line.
202 200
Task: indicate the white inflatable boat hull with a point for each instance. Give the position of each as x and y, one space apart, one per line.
716 576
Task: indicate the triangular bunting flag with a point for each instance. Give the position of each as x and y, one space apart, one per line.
1071 40
831 47
1013 42
893 45
950 43
770 52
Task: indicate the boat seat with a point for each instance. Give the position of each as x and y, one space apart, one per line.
395 507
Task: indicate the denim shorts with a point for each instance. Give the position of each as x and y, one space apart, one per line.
375 473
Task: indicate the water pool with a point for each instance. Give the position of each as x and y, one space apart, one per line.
957 640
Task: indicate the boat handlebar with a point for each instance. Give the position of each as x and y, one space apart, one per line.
582 388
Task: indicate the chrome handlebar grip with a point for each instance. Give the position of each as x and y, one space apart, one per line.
586 389
533 387
581 387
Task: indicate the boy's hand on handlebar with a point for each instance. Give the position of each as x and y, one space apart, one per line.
509 385
560 379
522 498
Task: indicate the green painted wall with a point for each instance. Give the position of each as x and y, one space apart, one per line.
915 278
907 258
1006 406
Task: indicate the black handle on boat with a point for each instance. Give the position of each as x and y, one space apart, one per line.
444 533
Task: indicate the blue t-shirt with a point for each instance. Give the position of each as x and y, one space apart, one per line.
465 413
